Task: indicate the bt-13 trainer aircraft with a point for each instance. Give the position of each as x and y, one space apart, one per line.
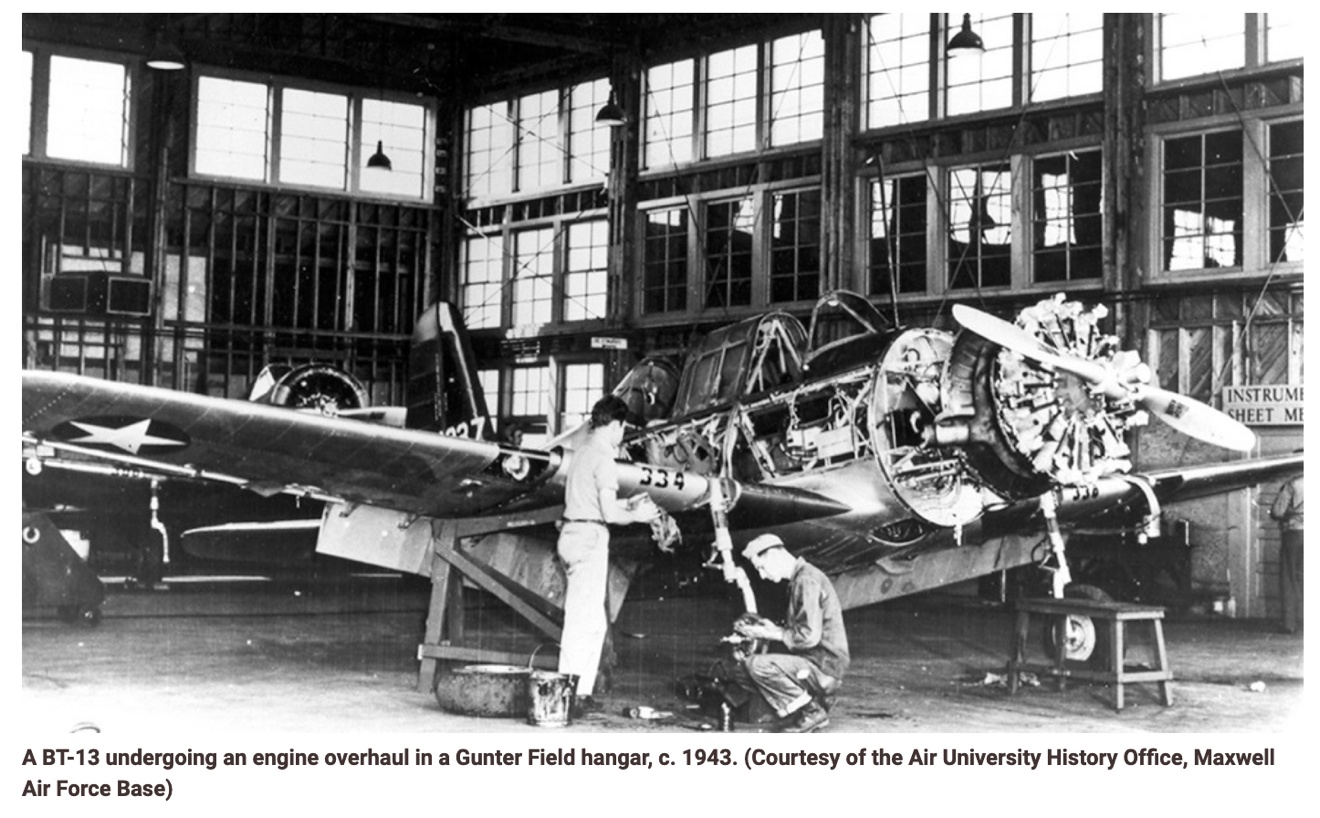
895 459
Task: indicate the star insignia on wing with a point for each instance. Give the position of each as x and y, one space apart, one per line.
131 438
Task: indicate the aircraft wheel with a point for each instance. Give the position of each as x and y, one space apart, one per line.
484 690
1083 641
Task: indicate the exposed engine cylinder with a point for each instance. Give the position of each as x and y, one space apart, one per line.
1029 426
322 387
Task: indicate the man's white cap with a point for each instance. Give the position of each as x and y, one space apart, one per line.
762 544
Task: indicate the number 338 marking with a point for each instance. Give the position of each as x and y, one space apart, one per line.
660 479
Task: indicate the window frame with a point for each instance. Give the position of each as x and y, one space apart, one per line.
1255 28
1254 126
39 102
275 87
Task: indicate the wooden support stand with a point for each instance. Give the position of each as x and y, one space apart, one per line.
445 639
1114 616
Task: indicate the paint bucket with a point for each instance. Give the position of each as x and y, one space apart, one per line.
550 697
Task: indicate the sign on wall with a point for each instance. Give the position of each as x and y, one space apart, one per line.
1265 405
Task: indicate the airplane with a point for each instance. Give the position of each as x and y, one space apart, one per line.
896 459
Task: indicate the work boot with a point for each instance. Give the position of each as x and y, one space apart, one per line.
807 720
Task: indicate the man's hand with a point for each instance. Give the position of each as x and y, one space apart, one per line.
642 508
758 627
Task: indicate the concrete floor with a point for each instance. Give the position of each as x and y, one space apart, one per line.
338 656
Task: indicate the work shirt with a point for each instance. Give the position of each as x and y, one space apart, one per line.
1287 508
591 471
814 628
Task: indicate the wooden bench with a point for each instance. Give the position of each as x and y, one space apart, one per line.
1112 616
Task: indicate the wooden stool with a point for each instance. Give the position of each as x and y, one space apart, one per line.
1114 615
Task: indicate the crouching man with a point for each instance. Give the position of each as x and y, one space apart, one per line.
800 684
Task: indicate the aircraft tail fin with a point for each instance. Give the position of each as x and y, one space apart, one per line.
444 393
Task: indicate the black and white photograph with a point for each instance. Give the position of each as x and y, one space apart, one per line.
557 391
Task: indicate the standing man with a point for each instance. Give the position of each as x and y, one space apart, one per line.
590 502
800 684
1287 509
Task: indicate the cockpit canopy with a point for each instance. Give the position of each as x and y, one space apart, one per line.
742 359
846 330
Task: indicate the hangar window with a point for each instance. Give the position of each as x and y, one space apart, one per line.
533 277
982 83
483 281
797 88
530 393
669 106
897 69
728 252
587 254
896 246
1203 204
489 162
584 384
537 141
980 226
665 260
1066 217
1198 43
795 246
78 109
739 100
731 101
310 137
26 90
1066 55
1286 172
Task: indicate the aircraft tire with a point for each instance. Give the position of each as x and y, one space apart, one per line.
1086 643
493 691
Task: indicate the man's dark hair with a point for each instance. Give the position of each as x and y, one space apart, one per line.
608 408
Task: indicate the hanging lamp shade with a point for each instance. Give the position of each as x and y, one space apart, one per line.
166 56
966 39
378 160
611 113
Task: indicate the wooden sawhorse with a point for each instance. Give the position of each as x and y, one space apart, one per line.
1114 616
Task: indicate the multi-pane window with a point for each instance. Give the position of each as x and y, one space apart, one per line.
533 277
795 246
797 88
980 226
583 385
489 164
1200 42
232 123
1066 216
585 270
530 393
274 132
985 82
489 380
897 69
665 261
483 281
896 257
669 106
1285 175
588 142
1203 201
1066 55
400 131
728 247
539 158
87 117
731 101
314 138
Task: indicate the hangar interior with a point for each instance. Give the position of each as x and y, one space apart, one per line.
205 195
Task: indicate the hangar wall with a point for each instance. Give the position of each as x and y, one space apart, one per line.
1144 160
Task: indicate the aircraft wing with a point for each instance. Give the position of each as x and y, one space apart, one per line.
271 449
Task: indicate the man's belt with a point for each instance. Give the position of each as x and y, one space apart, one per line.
593 522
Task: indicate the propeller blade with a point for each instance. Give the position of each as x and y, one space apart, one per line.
1012 337
1196 419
